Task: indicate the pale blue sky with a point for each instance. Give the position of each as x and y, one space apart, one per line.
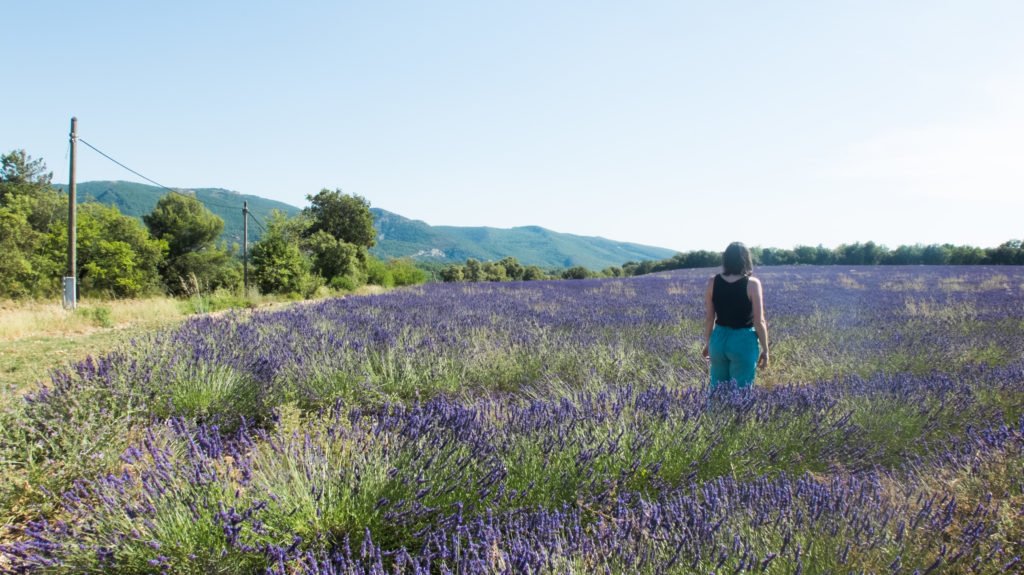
684 125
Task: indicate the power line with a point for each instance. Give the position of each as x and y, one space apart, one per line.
172 190
255 219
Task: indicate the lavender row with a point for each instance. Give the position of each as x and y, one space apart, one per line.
485 338
625 479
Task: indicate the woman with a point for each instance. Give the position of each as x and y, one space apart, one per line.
735 330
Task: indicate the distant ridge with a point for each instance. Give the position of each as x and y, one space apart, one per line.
136 200
397 236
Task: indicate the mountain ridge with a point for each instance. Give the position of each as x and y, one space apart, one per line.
397 235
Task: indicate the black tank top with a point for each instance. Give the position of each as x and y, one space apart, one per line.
732 306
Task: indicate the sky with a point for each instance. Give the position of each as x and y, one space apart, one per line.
677 124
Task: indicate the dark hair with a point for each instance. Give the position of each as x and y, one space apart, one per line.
736 260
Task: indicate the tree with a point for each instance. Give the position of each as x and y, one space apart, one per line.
905 255
532 273
576 273
19 173
194 261
452 273
395 272
1010 252
29 206
473 271
116 255
205 271
346 217
336 261
494 272
278 265
967 255
513 269
406 273
24 269
184 223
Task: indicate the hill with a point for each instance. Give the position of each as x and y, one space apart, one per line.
397 236
531 245
136 200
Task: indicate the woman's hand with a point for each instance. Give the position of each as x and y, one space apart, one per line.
705 353
762 362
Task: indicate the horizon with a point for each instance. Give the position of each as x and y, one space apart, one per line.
660 124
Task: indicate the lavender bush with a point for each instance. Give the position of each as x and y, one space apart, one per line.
545 427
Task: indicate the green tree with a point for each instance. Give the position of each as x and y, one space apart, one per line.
513 269
867 254
206 271
967 255
905 255
1010 252
935 255
194 261
278 265
452 273
405 272
346 217
494 272
533 273
377 273
393 273
576 273
184 223
117 257
20 174
338 262
473 271
29 206
24 269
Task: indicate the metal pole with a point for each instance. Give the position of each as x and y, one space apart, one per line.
70 280
245 249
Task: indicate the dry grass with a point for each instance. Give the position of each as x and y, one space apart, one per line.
38 337
19 320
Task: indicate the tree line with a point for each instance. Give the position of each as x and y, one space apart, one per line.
868 253
175 248
509 269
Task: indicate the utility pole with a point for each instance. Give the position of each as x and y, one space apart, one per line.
70 280
245 249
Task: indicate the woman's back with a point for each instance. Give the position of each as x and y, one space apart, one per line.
733 307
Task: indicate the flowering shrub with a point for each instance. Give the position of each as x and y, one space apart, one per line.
548 427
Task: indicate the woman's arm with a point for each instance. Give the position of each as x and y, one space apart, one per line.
709 316
756 296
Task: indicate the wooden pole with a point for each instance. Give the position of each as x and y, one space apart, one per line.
70 280
245 249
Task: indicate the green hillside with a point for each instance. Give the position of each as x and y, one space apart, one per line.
531 245
397 236
136 200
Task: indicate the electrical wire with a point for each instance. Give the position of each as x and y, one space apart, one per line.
172 190
255 219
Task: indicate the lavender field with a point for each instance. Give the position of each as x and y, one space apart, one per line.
540 427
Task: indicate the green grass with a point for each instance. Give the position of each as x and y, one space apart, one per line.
25 363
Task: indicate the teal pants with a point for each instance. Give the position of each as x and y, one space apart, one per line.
734 353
